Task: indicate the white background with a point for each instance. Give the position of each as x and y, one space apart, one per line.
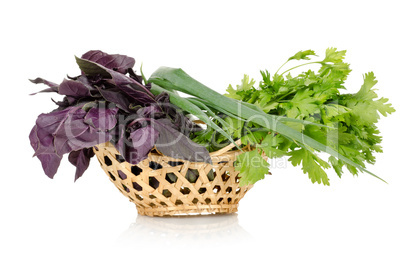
284 220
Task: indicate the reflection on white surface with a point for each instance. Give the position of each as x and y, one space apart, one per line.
211 230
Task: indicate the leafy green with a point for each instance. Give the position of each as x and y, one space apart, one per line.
311 164
292 115
252 166
303 55
315 97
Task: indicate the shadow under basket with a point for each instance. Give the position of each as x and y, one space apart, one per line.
164 186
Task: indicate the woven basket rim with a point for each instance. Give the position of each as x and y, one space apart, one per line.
223 152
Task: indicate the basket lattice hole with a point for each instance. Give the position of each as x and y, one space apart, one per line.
152 196
211 174
202 190
229 200
152 204
120 158
192 175
154 165
163 203
225 176
96 148
166 193
228 190
185 190
137 186
237 179
112 176
108 162
125 188
153 182
136 170
171 177
139 197
220 200
195 201
122 175
217 189
238 190
178 202
207 200
175 163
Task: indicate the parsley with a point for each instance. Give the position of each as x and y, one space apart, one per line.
287 115
316 97
252 166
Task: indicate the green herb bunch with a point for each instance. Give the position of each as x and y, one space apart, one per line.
293 116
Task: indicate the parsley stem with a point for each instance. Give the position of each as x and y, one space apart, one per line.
281 67
308 63
280 98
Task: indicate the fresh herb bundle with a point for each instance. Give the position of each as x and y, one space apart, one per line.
294 116
105 104
283 116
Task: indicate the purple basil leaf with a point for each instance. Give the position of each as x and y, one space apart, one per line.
163 98
63 131
80 159
74 88
137 145
133 75
143 140
33 138
119 63
174 144
152 111
131 87
66 102
46 82
116 97
47 90
103 119
50 161
75 134
46 125
53 87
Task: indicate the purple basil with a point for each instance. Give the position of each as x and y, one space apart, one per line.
62 131
137 92
135 146
74 88
119 63
117 97
50 161
108 102
103 119
53 87
174 144
80 159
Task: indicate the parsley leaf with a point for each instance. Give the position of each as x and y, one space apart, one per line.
252 167
303 55
311 164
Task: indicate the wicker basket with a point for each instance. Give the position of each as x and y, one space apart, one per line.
164 186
